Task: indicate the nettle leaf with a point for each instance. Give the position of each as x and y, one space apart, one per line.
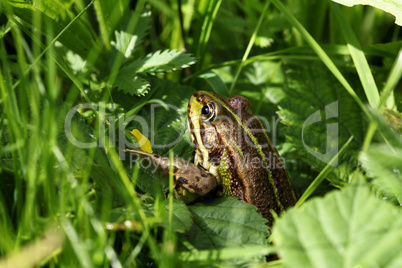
223 222
159 62
320 117
391 6
133 85
348 228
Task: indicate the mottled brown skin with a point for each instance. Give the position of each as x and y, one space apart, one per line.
249 177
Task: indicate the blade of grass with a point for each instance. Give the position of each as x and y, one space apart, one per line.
249 46
205 31
393 79
321 53
105 35
317 181
78 246
133 199
360 61
171 181
292 53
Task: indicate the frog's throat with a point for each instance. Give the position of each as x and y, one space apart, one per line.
202 156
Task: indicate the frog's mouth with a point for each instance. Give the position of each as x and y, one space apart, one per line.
194 113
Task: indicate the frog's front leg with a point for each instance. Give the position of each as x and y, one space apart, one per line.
191 177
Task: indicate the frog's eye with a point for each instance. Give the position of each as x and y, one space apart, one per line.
208 112
205 110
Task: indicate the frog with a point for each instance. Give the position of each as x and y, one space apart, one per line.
233 156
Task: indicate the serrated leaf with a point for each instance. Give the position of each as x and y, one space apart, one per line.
223 222
132 85
393 7
159 62
313 94
127 43
348 228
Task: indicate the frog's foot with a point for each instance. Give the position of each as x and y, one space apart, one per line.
194 179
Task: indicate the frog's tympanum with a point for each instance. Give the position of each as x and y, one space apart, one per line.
233 156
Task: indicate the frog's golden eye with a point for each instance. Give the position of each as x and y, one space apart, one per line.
208 112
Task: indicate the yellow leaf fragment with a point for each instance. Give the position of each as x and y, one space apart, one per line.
144 143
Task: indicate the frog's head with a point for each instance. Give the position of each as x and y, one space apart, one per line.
211 119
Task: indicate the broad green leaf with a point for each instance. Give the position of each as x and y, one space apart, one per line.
182 218
223 222
159 62
131 84
393 7
321 117
348 228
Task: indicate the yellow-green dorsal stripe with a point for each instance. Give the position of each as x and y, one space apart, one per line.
224 174
258 147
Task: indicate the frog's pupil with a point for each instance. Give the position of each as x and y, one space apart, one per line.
205 110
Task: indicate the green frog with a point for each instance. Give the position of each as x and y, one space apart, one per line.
233 156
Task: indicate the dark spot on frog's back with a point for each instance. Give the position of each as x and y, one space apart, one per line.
182 180
204 175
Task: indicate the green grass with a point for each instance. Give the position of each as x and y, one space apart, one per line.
62 205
